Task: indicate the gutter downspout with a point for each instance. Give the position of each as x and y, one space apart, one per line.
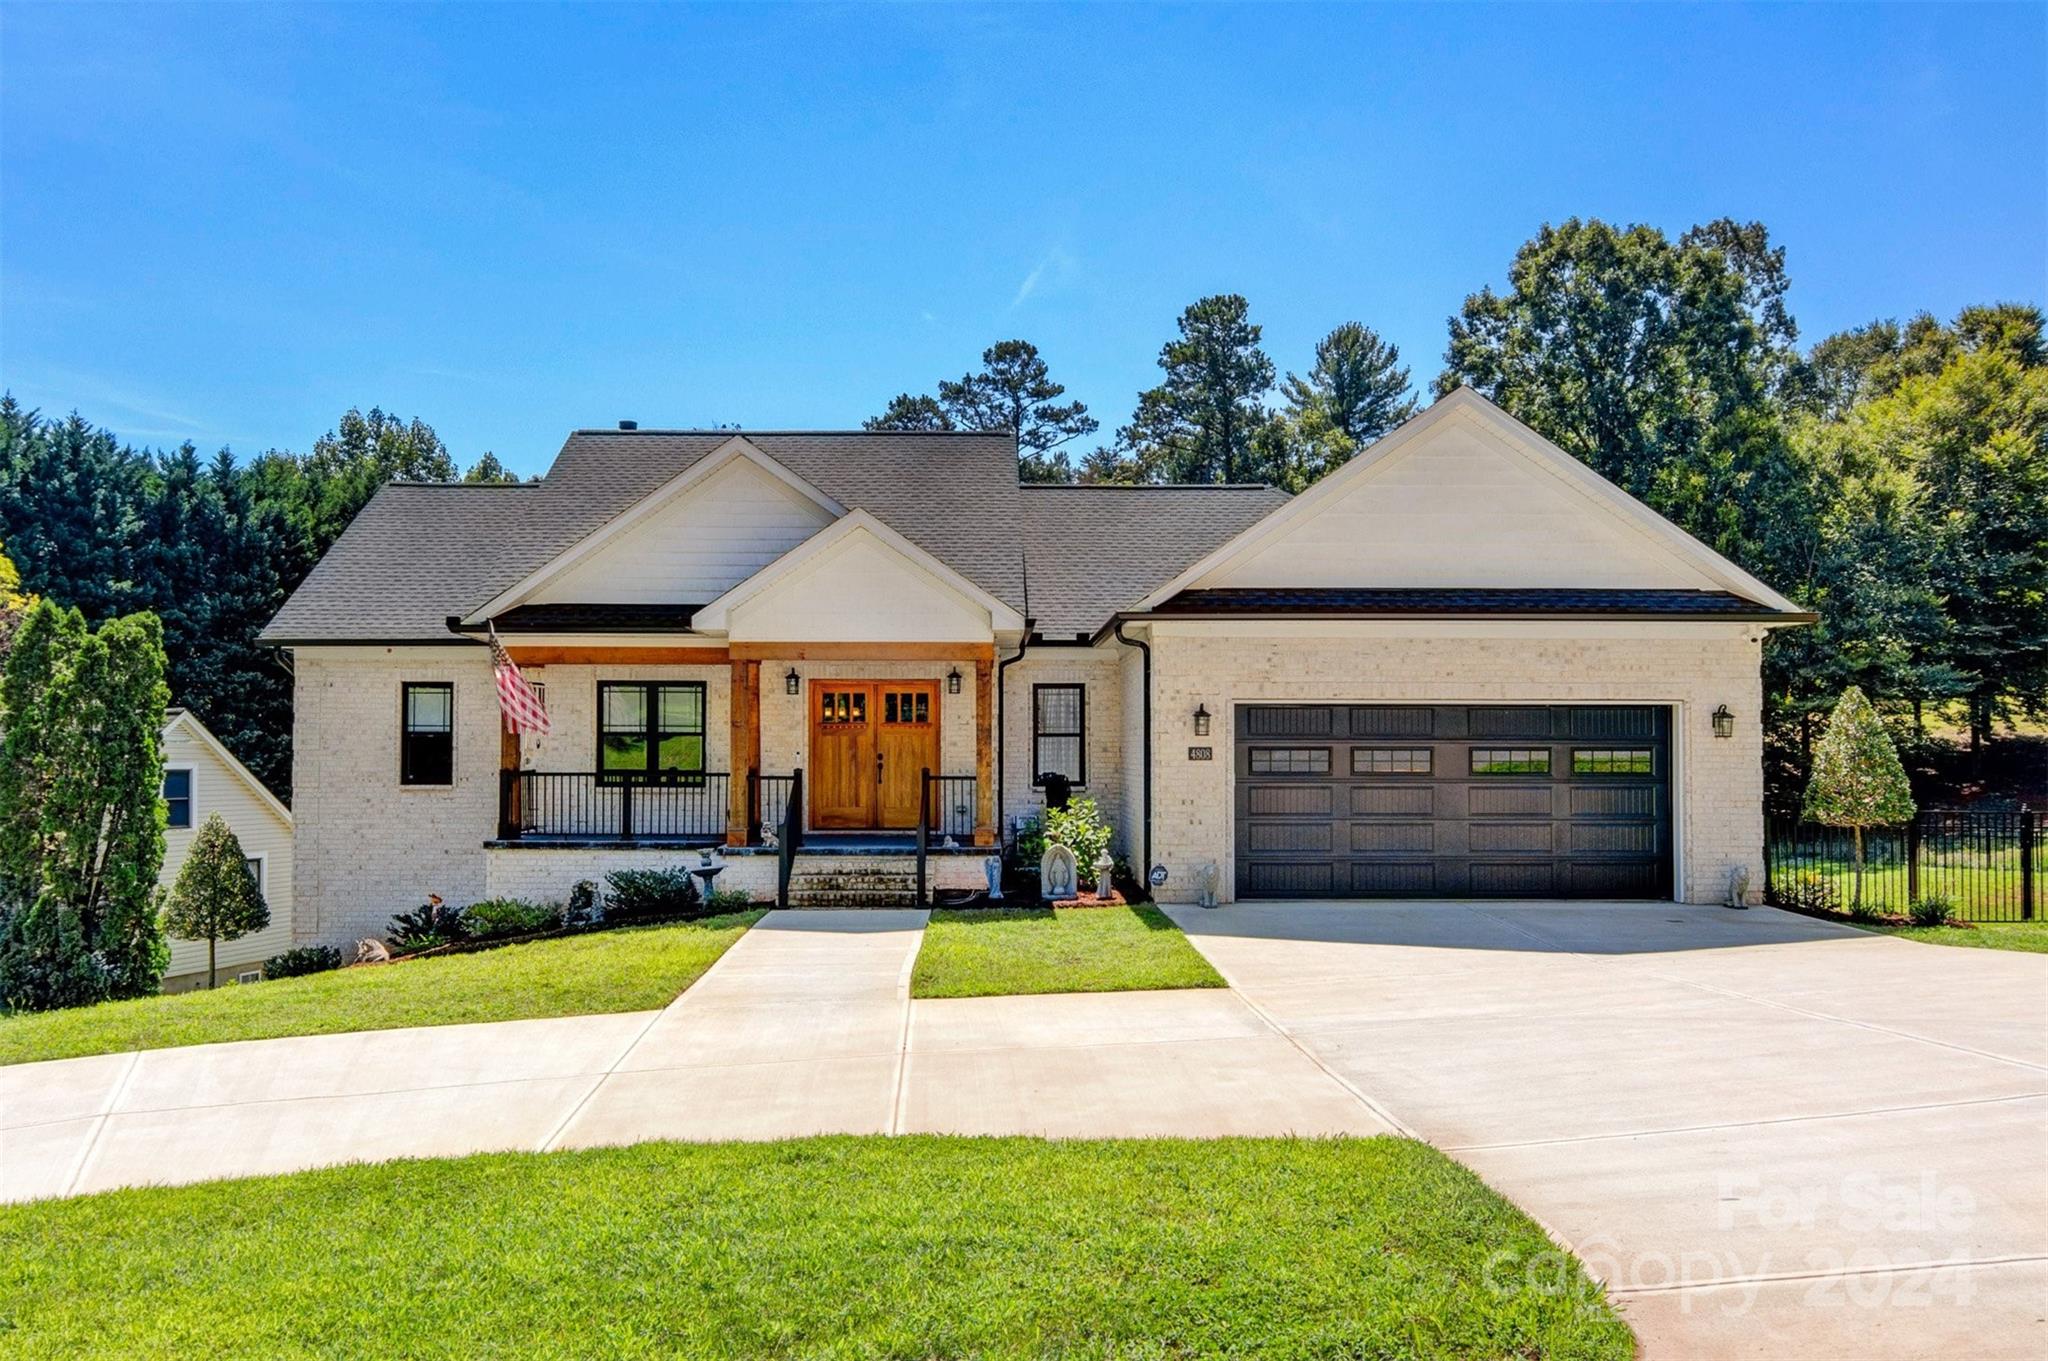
1002 747
1145 652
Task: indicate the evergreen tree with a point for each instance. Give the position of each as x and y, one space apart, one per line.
14 603
1201 424
1357 388
489 469
215 897
81 812
910 412
1857 780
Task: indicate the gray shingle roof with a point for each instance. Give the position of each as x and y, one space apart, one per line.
1371 602
1097 550
419 552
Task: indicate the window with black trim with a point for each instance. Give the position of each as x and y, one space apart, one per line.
650 729
1390 761
1511 760
1613 761
426 754
1059 732
1290 760
178 798
254 864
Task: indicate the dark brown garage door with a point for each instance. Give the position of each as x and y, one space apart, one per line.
1453 801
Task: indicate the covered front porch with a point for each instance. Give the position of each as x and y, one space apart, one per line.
750 745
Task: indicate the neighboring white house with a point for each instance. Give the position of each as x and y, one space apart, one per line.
1463 665
202 777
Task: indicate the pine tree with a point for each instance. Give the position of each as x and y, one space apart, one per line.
215 898
1857 779
1201 424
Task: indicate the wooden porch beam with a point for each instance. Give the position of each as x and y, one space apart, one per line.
865 652
618 656
744 759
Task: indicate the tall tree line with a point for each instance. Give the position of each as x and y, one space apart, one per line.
210 546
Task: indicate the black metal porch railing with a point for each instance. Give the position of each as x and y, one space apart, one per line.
950 812
771 798
790 838
585 804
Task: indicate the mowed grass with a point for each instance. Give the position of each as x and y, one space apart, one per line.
626 970
2032 936
1003 952
1976 889
906 1247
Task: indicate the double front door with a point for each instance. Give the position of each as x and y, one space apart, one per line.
870 742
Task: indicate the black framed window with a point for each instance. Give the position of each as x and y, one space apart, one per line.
1613 761
426 750
1511 760
1390 761
650 728
178 798
1059 732
254 864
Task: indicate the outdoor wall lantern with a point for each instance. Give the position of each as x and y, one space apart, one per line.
1201 720
1724 722
953 681
792 682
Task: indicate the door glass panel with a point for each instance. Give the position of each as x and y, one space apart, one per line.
860 705
924 708
889 707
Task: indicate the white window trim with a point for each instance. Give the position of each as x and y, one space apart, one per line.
262 859
191 796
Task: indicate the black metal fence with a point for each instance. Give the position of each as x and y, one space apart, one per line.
1986 862
546 803
771 798
952 806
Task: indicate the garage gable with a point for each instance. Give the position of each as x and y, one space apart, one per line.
1464 495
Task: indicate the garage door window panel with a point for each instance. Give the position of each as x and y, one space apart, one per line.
1391 761
1510 760
1614 761
1290 760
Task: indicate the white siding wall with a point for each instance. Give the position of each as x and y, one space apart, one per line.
715 535
1718 789
218 788
1461 508
860 590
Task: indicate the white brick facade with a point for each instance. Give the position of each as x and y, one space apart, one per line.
1717 785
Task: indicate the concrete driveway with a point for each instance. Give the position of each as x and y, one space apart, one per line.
1771 1136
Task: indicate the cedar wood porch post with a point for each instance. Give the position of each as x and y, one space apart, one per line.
984 751
744 702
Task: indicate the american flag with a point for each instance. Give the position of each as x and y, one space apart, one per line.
523 710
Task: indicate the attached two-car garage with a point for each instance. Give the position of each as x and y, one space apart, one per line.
1453 801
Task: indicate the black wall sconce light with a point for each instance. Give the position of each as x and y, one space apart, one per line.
1724 722
792 682
1201 720
953 681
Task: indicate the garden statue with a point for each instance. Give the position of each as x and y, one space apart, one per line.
372 952
1738 886
992 868
1105 871
1205 883
1058 877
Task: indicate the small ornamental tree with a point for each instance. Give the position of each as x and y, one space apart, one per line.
215 898
1857 779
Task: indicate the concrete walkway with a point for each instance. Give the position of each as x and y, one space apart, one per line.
804 1027
1773 1137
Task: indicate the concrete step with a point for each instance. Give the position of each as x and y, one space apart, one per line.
853 883
851 898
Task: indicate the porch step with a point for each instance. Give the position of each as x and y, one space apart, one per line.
831 881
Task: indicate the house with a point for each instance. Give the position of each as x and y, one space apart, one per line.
202 777
1463 665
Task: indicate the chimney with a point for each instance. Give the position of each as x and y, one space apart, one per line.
629 425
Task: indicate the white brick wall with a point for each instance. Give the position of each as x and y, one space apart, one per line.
365 846
1718 782
1097 669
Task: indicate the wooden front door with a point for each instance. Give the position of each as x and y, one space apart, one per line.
870 740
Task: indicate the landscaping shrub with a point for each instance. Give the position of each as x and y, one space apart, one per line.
728 900
431 923
495 917
651 895
1935 909
1079 827
1860 911
304 960
1810 893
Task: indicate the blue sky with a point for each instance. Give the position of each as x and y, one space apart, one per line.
229 224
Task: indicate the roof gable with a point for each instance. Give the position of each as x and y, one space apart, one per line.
859 580
182 722
1466 496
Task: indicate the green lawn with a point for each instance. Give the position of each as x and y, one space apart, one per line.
1988 888
625 970
845 1247
1003 952
2031 936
